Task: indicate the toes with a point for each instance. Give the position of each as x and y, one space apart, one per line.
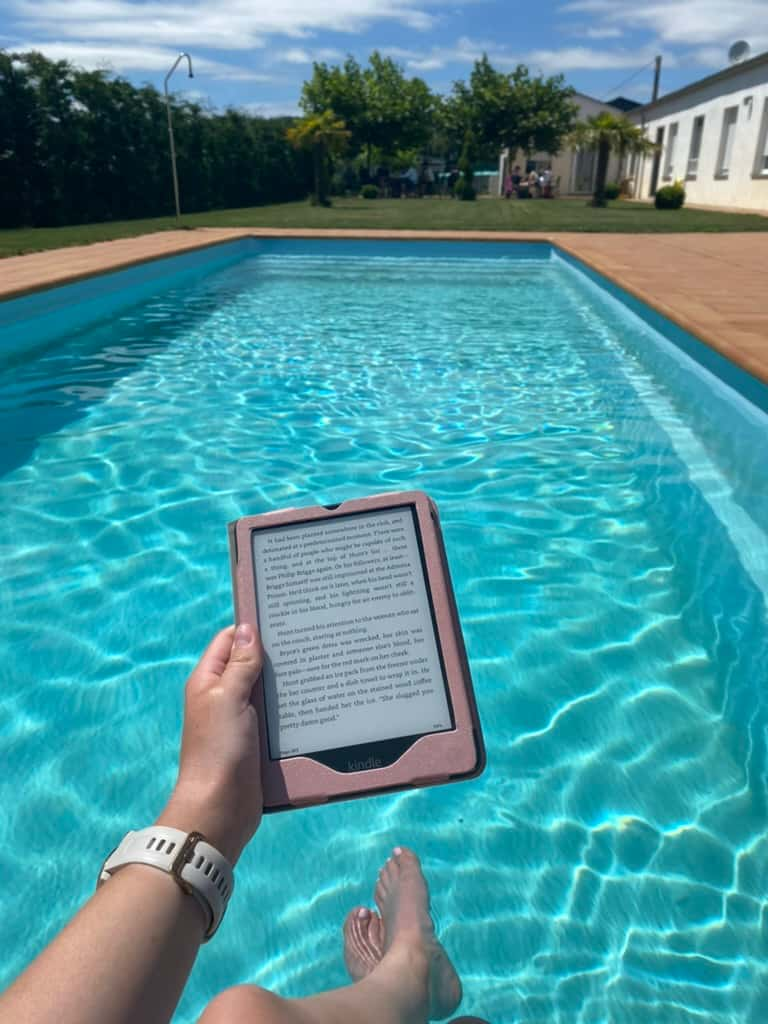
364 927
363 941
359 953
402 861
351 920
352 936
376 934
406 858
370 930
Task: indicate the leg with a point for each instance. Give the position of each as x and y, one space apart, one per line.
401 972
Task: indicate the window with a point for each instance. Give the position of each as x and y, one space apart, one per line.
669 156
730 116
761 156
695 150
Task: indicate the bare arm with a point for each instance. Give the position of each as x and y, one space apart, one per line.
125 957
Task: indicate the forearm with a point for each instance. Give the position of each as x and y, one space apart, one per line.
124 958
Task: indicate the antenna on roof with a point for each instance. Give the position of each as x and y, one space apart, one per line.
738 52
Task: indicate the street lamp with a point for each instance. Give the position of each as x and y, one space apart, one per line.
170 127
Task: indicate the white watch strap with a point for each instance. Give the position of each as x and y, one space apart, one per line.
197 866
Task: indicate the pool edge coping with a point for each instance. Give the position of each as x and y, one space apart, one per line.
743 360
740 359
116 265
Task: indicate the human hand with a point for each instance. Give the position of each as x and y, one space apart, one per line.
218 789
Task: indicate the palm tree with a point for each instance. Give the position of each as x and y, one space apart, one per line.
608 134
323 134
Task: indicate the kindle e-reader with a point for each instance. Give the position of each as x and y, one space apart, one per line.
366 685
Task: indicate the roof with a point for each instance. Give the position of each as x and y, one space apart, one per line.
622 103
592 99
731 70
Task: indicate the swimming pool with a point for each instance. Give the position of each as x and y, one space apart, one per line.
604 509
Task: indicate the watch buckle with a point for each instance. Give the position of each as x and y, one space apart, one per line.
183 857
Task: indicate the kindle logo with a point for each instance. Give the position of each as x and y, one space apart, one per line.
361 766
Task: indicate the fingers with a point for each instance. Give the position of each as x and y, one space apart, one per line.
233 658
245 661
215 658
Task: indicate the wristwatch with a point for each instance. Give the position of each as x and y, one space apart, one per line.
198 867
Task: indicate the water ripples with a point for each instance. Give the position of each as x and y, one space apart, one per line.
612 862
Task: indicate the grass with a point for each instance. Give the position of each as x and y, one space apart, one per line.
414 214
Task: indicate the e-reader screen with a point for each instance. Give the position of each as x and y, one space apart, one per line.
347 626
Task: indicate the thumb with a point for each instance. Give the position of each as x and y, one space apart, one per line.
245 661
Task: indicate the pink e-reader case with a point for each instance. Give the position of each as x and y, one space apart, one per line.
366 685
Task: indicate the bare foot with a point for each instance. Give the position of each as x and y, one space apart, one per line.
402 897
363 942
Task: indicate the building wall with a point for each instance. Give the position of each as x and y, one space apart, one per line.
576 173
746 182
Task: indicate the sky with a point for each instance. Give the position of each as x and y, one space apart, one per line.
257 55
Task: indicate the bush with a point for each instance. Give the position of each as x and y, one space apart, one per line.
670 197
464 189
612 190
369 192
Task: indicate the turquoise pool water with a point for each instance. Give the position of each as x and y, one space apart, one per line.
604 507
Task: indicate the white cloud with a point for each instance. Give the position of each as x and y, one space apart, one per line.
711 56
297 55
426 64
546 61
273 108
124 58
464 51
602 33
580 58
684 22
229 25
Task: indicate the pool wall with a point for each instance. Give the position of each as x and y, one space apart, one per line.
36 320
731 374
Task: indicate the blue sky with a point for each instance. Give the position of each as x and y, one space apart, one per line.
256 56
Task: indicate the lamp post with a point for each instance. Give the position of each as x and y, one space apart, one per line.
170 127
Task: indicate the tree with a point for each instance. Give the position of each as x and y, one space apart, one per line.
464 186
381 108
323 135
79 146
20 125
514 110
479 108
340 88
608 133
541 114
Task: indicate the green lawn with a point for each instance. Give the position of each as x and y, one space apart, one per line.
426 214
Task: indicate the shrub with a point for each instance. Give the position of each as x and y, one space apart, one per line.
463 189
369 192
670 197
612 190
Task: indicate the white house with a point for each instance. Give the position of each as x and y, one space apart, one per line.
712 135
574 168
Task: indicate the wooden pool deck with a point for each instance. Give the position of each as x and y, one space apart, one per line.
712 285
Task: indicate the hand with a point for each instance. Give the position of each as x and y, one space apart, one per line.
218 790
